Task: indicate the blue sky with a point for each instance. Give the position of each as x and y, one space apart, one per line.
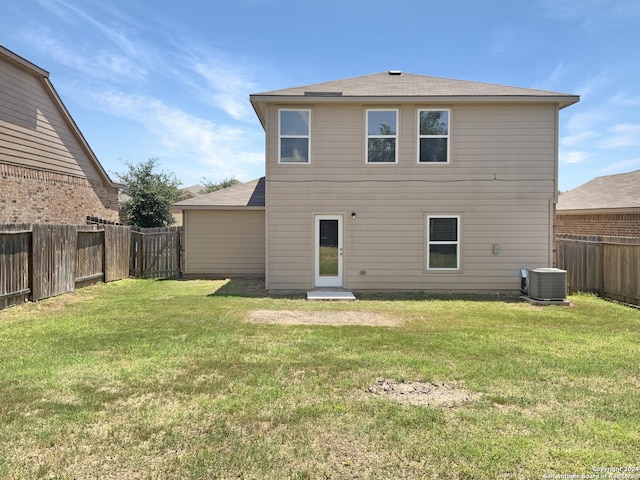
172 80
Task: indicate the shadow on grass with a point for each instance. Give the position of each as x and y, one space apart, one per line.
255 288
426 296
241 287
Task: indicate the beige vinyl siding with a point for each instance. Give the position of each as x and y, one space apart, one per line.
34 133
224 242
500 181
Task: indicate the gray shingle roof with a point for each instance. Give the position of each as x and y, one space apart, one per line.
408 84
240 196
193 190
386 87
621 191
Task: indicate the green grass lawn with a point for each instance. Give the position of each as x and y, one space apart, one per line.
166 380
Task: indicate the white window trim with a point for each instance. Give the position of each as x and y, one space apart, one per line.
457 243
448 136
367 136
280 136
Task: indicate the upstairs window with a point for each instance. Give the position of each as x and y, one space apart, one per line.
382 136
443 242
433 136
294 137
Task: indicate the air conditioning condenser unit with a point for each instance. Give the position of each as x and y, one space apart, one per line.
547 283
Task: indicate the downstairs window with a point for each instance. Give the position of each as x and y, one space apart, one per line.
443 242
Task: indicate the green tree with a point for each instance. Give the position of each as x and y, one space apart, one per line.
210 186
150 194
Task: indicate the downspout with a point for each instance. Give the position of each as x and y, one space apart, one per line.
554 197
267 143
183 247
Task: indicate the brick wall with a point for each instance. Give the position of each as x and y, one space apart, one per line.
34 196
613 225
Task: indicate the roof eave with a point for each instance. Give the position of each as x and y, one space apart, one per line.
216 207
597 211
260 100
23 62
259 108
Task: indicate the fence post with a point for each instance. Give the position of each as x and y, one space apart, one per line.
179 251
602 269
141 252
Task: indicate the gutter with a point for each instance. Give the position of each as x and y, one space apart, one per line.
599 211
216 207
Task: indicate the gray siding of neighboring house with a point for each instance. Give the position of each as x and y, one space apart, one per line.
501 181
224 243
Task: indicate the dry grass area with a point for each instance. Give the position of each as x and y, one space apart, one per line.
424 393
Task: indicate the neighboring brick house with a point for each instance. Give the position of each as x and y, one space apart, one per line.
608 206
48 172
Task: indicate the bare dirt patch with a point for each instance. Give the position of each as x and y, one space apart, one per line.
298 317
424 393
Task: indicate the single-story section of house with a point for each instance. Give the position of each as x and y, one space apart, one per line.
225 232
608 206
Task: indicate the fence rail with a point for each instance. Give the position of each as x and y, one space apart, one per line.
42 260
608 266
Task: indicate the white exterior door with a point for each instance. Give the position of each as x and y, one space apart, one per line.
328 251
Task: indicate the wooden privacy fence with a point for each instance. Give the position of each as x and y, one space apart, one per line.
608 266
41 261
15 264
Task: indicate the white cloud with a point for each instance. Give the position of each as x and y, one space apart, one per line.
230 87
114 70
104 64
588 120
591 85
622 135
217 79
554 76
624 99
573 157
577 139
70 13
183 136
110 64
552 80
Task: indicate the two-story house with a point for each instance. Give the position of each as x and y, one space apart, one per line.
391 181
48 172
